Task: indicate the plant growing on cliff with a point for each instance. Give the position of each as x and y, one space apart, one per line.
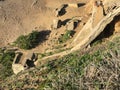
64 37
31 40
27 41
6 60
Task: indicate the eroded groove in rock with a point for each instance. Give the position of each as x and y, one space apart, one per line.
91 30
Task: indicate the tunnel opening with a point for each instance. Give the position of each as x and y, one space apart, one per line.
112 28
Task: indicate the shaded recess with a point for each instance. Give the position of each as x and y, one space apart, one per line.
65 21
30 63
63 10
81 4
108 31
43 35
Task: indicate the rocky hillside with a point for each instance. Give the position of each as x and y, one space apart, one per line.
94 68
60 45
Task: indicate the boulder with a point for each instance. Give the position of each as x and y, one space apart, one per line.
56 23
95 26
117 26
70 25
74 5
23 61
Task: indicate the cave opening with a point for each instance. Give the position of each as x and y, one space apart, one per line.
109 30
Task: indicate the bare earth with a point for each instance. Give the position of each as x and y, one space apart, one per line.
20 17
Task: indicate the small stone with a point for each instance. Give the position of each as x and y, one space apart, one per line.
70 25
56 23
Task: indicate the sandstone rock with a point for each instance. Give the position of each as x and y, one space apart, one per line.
30 56
75 5
16 66
89 32
89 7
94 26
117 27
22 62
72 24
56 23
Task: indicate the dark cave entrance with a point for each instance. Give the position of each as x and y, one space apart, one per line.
108 31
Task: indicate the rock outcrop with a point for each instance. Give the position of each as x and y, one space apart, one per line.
102 14
22 62
96 24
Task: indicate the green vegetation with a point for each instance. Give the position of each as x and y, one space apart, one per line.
28 41
6 59
41 55
63 38
66 72
97 69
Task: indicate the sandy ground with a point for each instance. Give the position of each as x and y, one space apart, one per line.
20 17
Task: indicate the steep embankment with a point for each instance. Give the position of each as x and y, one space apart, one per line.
95 68
102 15
22 17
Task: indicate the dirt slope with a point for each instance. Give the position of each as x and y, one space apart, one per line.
19 17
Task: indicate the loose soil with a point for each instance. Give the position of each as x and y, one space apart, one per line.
20 17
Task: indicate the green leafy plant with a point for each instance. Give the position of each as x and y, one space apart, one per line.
6 61
97 68
64 37
31 40
27 41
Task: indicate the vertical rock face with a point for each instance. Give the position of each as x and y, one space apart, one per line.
70 25
98 12
108 5
97 22
22 62
56 23
117 26
89 6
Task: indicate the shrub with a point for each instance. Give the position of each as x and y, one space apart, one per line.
64 37
96 69
6 64
27 41
31 40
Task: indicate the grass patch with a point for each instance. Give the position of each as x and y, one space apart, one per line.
6 60
97 70
66 72
27 41
76 72
41 55
31 40
65 37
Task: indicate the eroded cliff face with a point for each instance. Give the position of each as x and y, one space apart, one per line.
117 25
108 4
102 18
103 13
